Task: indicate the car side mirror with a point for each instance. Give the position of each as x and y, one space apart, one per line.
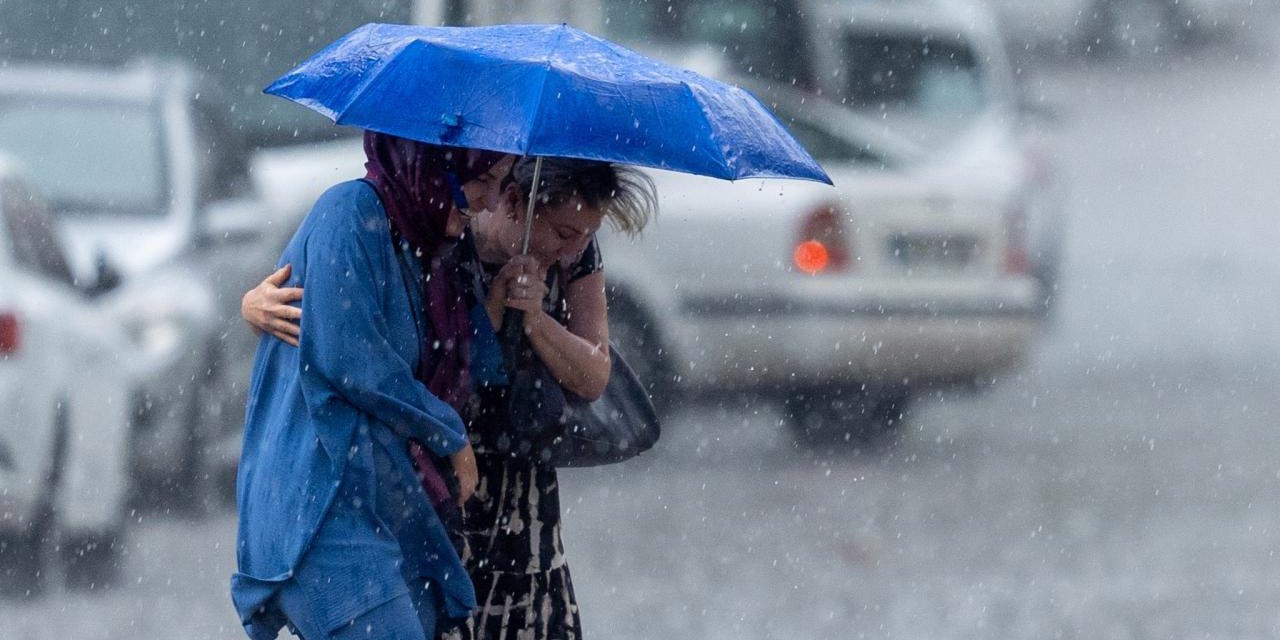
239 220
106 277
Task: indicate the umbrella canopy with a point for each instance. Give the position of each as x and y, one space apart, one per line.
545 90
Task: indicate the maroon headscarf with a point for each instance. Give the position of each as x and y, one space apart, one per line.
411 179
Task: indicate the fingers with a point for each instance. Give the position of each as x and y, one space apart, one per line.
285 295
530 291
464 468
280 276
286 312
521 269
466 490
520 284
527 265
279 325
282 334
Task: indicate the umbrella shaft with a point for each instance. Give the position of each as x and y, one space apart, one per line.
533 199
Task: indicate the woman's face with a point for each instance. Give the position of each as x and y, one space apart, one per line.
560 232
483 193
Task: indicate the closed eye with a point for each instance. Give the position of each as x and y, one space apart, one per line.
571 233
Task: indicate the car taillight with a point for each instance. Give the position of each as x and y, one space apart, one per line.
1016 261
822 244
10 333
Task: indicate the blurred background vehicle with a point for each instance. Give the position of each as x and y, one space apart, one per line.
1133 28
66 380
841 304
934 71
148 184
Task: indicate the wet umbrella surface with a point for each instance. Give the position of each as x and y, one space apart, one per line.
543 90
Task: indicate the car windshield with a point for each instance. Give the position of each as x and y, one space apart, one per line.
88 157
929 87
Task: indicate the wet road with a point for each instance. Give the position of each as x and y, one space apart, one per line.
1123 485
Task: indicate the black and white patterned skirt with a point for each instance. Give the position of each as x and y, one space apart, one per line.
515 556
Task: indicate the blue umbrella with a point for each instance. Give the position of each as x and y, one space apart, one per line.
544 90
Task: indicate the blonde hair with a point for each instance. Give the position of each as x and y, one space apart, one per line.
625 195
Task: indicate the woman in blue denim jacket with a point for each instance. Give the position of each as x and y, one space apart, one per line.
337 536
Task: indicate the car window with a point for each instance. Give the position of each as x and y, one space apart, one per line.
88 156
33 239
914 79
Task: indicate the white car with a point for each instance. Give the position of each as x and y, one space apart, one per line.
840 302
66 382
934 71
1124 27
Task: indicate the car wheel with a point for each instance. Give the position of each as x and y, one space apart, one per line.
1137 28
634 336
92 560
25 554
845 417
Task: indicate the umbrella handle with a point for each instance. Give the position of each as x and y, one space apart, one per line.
512 335
511 338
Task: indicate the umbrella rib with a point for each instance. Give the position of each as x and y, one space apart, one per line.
546 73
711 130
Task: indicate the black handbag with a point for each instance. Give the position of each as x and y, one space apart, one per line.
618 426
569 431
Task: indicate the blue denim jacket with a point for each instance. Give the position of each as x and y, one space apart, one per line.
314 412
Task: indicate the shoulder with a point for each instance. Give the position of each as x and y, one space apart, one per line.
349 204
346 212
